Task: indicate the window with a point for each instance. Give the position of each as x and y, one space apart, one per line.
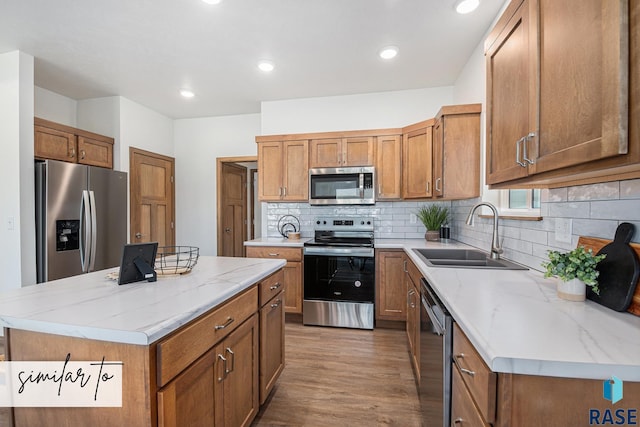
520 202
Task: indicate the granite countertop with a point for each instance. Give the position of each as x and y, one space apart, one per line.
96 307
519 325
277 241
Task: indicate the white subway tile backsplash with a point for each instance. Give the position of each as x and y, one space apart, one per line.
623 210
570 210
603 191
630 189
604 229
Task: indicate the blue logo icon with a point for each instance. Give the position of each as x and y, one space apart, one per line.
612 389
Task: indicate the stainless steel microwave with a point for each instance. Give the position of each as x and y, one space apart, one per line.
342 186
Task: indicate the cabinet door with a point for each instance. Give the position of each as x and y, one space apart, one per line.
271 344
54 144
438 158
413 325
189 399
416 164
460 157
388 167
325 153
93 152
511 101
463 411
357 151
391 291
237 380
583 77
270 171
293 287
296 170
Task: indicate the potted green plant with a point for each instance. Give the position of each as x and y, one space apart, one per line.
433 217
575 271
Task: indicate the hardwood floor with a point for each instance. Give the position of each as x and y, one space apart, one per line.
343 377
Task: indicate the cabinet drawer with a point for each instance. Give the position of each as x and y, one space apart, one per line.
463 411
475 374
279 252
271 286
190 342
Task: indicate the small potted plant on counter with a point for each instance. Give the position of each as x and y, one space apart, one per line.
433 217
575 271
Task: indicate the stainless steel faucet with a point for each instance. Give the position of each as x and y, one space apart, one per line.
496 249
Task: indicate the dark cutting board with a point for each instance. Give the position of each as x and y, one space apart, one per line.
619 271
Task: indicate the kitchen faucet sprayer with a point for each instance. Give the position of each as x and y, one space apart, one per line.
496 249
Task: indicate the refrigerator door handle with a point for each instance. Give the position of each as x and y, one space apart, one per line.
85 223
94 231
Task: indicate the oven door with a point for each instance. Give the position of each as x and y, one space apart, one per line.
347 275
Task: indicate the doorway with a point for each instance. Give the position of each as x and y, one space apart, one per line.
152 194
236 208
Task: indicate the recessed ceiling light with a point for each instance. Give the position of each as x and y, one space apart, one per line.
466 6
187 93
212 1
266 66
388 52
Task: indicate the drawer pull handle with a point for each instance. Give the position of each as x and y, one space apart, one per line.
274 254
224 361
227 323
466 371
276 304
233 362
458 421
276 286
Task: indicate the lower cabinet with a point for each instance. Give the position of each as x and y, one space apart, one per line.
271 343
412 279
391 291
236 376
463 411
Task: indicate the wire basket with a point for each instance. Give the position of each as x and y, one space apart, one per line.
174 260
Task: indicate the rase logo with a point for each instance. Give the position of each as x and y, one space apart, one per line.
612 390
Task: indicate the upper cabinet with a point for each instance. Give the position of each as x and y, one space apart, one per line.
417 166
59 142
558 84
456 152
341 152
389 167
283 170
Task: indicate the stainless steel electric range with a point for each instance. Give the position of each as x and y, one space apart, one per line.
339 273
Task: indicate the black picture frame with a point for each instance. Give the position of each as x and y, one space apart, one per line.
138 260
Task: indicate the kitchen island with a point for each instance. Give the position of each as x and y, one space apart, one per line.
167 334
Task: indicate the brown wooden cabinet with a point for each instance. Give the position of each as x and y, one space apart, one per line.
456 152
417 166
412 280
283 171
391 291
59 142
339 152
558 99
236 376
293 273
389 167
271 333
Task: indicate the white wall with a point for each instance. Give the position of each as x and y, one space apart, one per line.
17 254
198 142
353 112
55 107
102 116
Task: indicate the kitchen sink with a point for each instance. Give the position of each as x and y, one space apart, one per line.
464 258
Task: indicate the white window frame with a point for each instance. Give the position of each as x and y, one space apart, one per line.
503 205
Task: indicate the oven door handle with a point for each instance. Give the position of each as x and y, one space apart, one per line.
439 327
325 251
361 185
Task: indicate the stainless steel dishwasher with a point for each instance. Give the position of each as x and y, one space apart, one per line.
436 346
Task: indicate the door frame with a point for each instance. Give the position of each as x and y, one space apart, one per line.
219 162
132 151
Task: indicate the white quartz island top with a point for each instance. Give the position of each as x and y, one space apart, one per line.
277 241
519 325
95 307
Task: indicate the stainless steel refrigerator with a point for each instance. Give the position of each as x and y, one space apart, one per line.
81 218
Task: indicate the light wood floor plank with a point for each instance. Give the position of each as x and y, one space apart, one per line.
343 377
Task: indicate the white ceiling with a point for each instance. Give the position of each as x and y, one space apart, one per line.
146 50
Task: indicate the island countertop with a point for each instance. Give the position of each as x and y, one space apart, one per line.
96 307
